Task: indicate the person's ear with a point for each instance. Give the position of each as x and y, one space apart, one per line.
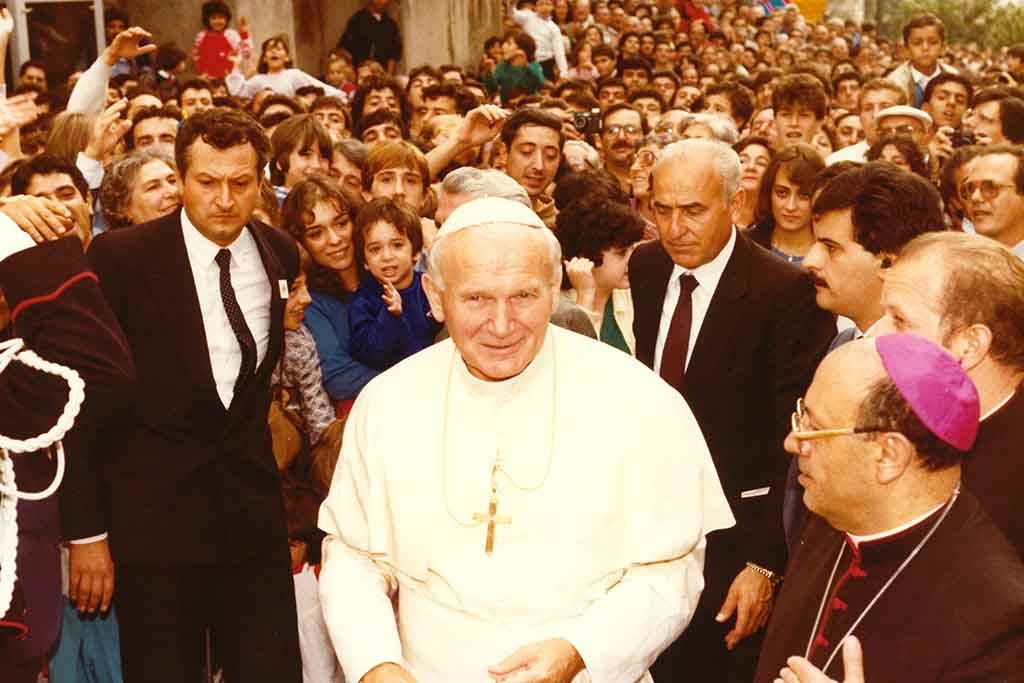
895 456
971 345
435 297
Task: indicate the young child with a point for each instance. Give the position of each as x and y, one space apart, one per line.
339 72
518 73
301 505
274 72
217 44
390 315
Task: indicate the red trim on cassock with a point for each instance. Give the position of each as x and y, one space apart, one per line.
52 295
17 626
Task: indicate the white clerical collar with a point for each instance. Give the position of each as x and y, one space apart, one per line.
999 406
1019 250
868 332
203 250
708 274
857 540
512 385
920 78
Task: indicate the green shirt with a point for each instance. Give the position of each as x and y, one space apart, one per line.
610 332
511 80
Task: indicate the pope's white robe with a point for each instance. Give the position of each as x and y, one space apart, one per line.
605 547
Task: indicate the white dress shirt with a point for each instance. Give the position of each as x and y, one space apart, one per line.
546 34
921 80
252 289
707 277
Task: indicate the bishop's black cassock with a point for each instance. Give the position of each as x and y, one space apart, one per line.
955 613
992 471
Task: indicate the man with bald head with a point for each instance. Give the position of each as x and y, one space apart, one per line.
738 334
532 520
966 292
897 552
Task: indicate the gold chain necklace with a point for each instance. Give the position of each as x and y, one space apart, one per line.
491 517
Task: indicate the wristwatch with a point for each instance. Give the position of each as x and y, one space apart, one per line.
774 579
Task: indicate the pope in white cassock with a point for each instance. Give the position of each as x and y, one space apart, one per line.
518 502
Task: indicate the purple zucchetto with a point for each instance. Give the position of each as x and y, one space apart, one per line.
932 382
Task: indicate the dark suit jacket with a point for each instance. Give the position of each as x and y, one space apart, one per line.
758 347
182 479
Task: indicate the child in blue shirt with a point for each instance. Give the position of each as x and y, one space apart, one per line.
389 316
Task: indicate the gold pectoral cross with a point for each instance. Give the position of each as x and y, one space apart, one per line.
491 517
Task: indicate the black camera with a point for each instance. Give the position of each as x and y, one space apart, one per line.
587 122
962 137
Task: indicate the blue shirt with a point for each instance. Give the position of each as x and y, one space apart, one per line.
381 339
327 319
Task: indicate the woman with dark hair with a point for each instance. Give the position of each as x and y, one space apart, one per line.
319 215
598 235
784 204
756 155
275 73
900 151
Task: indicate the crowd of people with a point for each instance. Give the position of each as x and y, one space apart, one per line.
342 420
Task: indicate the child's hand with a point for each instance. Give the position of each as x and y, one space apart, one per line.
392 299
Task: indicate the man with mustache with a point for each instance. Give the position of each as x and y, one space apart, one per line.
622 129
735 331
862 218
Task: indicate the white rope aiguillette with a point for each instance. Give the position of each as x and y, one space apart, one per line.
9 493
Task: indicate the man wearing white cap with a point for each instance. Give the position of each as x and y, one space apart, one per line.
897 553
528 516
904 121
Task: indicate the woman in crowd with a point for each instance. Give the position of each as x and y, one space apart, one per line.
598 235
756 155
319 215
784 205
900 151
138 188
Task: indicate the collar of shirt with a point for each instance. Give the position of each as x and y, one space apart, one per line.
203 251
921 79
857 540
1019 250
708 274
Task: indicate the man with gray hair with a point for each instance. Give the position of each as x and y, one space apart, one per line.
531 519
738 334
467 183
966 293
708 127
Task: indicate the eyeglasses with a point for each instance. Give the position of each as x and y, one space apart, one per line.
989 189
906 129
799 418
617 128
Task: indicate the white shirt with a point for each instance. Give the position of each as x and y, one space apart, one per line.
546 34
707 276
922 80
252 289
12 238
857 152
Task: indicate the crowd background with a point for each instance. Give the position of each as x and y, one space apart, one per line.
569 107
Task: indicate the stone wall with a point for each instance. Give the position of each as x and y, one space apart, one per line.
434 31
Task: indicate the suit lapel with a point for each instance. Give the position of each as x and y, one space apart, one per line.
174 285
647 312
711 351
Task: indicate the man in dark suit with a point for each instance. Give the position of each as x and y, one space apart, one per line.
737 332
186 485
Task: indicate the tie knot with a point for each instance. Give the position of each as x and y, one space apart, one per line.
223 258
687 283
